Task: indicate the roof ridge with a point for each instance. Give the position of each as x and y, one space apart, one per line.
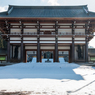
77 6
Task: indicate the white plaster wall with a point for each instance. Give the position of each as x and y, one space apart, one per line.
29 41
79 42
64 26
79 24
15 30
79 31
63 47
29 38
44 47
15 24
64 30
47 41
48 26
47 23
30 23
64 41
79 38
15 38
30 30
64 23
48 29
30 26
15 41
65 38
30 47
46 38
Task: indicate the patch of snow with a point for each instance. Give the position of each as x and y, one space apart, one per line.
48 78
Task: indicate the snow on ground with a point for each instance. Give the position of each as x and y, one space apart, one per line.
48 78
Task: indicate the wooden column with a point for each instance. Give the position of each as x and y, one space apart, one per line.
21 43
86 49
70 55
73 50
8 42
56 50
12 51
38 42
21 49
8 50
73 46
38 50
86 28
24 56
86 43
73 28
56 41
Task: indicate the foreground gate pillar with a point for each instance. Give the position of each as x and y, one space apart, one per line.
56 50
8 50
38 50
86 49
73 50
22 49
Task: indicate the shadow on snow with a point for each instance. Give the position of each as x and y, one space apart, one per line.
40 70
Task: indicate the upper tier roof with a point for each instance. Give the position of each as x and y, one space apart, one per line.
47 11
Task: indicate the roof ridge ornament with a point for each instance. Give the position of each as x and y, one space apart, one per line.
10 10
86 10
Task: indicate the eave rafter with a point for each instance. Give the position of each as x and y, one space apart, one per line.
4 23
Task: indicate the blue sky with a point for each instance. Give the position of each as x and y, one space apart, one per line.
91 5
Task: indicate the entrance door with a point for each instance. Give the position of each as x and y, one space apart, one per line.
63 56
47 56
31 56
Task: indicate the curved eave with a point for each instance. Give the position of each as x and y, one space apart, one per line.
48 18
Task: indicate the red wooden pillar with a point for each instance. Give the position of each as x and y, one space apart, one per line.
56 42
73 50
8 43
12 51
86 49
38 50
21 49
38 42
21 43
8 50
73 46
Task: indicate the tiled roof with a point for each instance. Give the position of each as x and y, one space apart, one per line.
47 11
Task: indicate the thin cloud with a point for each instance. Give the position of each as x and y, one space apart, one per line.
3 8
53 2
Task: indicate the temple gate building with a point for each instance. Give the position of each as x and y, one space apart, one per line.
47 28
